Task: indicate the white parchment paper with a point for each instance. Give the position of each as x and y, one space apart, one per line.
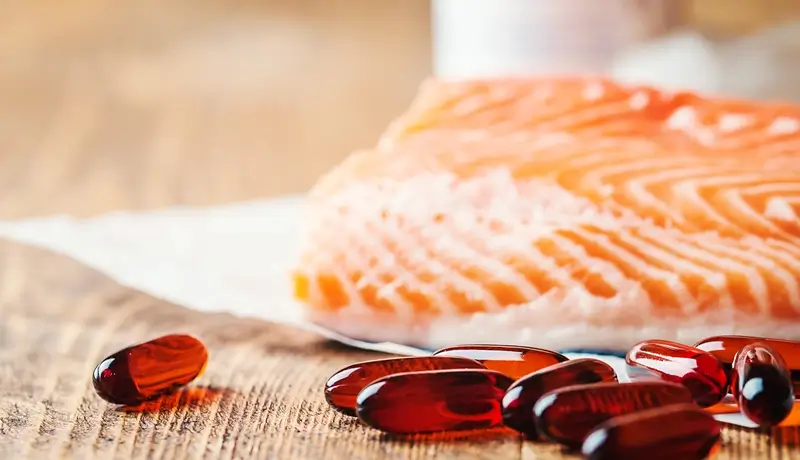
232 259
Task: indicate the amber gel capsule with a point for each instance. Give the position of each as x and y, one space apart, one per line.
725 347
697 370
343 386
522 395
430 401
511 360
142 372
761 384
680 431
568 414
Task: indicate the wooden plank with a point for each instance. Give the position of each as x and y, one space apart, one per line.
260 397
144 104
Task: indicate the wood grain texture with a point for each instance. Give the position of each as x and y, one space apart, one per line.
260 397
109 105
133 105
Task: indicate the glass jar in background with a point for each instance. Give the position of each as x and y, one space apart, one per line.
737 48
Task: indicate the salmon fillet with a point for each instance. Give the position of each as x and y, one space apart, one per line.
565 213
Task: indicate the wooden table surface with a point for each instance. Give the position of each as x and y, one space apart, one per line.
142 104
135 105
260 397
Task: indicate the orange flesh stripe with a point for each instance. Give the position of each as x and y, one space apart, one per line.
593 282
696 284
658 291
737 283
332 290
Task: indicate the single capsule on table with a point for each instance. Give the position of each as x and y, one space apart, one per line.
343 387
679 431
518 402
568 414
697 370
431 401
145 371
725 347
511 360
761 384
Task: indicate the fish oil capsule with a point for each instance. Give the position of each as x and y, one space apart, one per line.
518 402
568 414
697 370
343 387
431 401
145 371
761 384
725 347
680 431
511 360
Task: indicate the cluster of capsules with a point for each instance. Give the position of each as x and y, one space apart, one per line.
665 407
580 403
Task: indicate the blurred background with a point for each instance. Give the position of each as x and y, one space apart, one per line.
149 103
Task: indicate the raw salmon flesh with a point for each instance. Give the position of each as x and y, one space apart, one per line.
565 213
